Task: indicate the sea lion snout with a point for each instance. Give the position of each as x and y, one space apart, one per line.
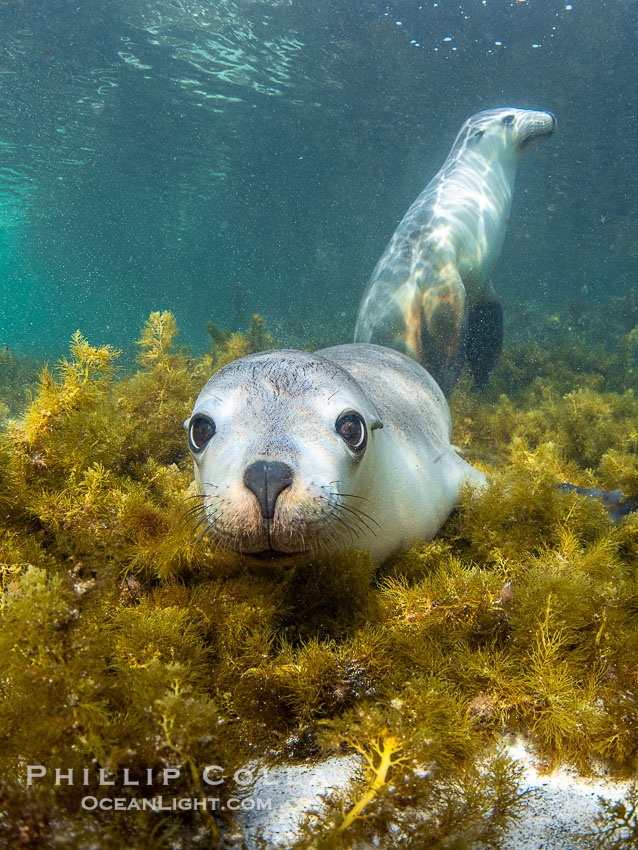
267 479
533 128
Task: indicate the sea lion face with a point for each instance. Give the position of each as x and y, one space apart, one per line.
497 131
278 440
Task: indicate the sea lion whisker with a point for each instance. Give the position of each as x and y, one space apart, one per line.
337 511
358 517
335 535
212 538
193 507
185 523
208 519
204 521
215 544
187 519
354 535
216 539
202 534
323 543
208 528
195 518
197 509
202 514
339 493
358 512
330 538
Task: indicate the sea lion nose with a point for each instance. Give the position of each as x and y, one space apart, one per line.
266 479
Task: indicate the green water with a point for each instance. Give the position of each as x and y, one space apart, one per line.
219 159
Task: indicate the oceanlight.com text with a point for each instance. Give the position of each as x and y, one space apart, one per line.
175 804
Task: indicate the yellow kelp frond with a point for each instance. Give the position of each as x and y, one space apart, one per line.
156 340
226 346
88 364
378 757
82 381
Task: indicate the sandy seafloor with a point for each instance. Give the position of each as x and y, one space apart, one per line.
559 806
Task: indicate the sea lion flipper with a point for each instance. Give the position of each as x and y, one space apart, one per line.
617 505
444 326
484 340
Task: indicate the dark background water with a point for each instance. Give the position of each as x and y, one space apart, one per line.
222 158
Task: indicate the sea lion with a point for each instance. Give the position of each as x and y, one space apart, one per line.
297 454
430 294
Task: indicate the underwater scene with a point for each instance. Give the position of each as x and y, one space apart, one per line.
304 605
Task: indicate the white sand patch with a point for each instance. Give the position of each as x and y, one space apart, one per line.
560 804
286 794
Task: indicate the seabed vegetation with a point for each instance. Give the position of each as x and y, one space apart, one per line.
128 646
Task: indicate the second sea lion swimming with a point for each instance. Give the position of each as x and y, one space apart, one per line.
430 294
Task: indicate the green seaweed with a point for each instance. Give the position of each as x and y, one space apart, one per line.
17 374
156 341
227 346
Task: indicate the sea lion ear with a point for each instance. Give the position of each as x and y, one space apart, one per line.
375 424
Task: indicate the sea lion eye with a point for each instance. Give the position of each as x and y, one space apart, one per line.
352 430
478 134
508 119
200 431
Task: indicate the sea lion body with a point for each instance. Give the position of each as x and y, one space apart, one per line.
273 441
430 295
